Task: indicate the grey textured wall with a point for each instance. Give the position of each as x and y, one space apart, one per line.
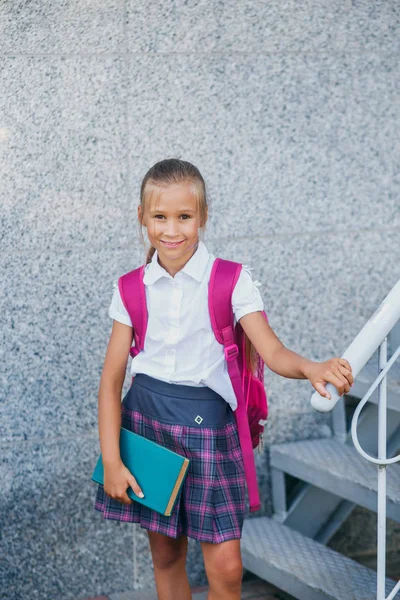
290 110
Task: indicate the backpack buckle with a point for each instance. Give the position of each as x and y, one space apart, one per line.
231 352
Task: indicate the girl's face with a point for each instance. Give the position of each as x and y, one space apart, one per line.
173 221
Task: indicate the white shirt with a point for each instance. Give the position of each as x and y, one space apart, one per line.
180 346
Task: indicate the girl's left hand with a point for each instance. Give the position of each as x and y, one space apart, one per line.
336 371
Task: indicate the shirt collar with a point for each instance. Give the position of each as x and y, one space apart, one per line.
195 267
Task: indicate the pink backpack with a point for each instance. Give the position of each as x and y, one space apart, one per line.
252 410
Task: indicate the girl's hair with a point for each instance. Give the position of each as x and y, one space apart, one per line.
172 171
167 172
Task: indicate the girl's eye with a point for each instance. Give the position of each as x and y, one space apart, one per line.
162 217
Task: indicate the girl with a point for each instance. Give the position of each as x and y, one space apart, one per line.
181 395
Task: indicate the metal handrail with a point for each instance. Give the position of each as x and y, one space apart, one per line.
382 461
372 336
364 344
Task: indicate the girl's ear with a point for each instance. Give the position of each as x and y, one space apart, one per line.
205 218
140 214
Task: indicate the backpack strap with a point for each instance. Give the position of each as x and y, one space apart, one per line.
133 295
224 276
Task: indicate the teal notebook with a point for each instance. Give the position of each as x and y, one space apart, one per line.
160 472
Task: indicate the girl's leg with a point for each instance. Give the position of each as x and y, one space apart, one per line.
169 561
224 569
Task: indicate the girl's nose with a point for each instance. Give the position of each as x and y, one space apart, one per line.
171 228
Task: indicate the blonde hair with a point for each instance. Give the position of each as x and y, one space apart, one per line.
167 172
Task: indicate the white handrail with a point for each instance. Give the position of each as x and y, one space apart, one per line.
364 344
382 461
373 335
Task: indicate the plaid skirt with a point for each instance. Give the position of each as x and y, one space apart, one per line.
199 424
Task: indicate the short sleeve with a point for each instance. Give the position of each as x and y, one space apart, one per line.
246 297
117 310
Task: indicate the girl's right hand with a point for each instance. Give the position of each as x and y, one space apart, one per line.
117 478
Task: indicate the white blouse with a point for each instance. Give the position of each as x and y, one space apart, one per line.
180 346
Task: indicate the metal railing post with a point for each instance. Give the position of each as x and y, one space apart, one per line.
373 336
381 462
382 444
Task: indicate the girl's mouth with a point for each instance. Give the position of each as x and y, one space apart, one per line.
171 244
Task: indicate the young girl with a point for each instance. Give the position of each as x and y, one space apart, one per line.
180 376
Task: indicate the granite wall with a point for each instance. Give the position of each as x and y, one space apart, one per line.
290 110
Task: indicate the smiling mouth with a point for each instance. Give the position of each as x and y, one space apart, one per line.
172 244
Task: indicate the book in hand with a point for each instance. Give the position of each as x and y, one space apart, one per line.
160 472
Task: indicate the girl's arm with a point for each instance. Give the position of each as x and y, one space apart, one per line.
117 477
109 397
283 361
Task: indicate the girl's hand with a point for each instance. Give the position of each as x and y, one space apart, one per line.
335 370
117 478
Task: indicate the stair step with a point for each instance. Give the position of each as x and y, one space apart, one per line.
368 375
303 567
339 469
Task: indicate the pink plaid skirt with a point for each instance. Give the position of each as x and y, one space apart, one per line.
198 423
